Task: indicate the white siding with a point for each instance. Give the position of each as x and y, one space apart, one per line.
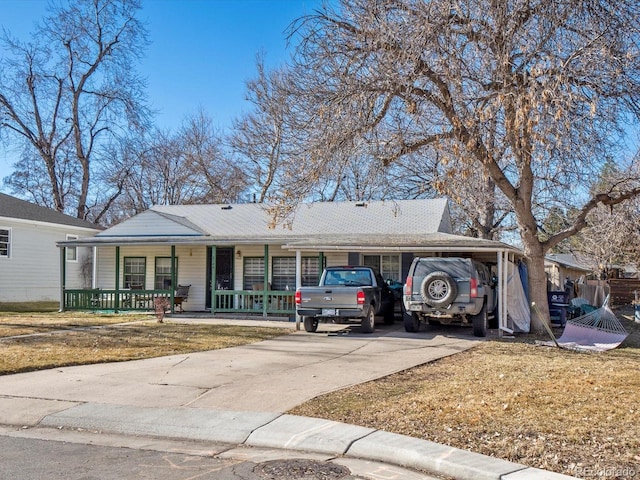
191 269
32 272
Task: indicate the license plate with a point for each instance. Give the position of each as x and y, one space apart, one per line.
329 312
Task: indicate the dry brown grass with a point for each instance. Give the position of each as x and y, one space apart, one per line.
559 410
54 340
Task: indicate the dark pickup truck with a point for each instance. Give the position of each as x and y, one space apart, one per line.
346 294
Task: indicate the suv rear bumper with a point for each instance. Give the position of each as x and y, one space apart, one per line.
454 310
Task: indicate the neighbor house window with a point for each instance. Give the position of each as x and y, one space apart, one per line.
162 279
253 272
72 252
5 242
387 265
134 272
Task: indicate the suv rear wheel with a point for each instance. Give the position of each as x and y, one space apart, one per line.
480 321
411 322
438 289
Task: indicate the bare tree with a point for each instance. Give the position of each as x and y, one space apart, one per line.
612 234
532 95
261 137
71 90
164 168
213 174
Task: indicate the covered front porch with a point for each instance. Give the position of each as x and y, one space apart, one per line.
132 276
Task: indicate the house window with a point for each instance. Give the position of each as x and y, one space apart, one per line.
72 252
253 273
310 271
162 279
134 272
5 242
284 272
387 265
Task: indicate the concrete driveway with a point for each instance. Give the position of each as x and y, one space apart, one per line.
269 376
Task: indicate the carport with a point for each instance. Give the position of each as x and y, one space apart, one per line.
490 252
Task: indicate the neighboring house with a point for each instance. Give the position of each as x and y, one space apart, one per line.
236 260
561 267
30 263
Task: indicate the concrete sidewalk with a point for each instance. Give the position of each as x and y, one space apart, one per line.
239 396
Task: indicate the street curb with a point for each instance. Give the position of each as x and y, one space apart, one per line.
292 432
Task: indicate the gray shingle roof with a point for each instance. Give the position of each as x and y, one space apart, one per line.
381 217
568 260
403 225
12 207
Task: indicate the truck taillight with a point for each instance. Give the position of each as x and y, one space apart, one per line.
473 285
298 298
360 297
408 286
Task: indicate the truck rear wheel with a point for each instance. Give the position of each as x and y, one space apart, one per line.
310 324
369 322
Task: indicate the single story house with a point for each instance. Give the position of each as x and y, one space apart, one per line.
563 267
235 258
29 258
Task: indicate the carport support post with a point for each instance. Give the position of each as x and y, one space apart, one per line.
265 284
298 281
500 292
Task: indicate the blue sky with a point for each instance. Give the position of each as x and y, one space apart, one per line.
201 54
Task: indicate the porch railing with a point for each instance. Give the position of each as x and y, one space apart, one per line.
98 299
250 301
223 301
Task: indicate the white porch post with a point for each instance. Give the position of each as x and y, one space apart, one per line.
503 266
94 268
63 263
298 281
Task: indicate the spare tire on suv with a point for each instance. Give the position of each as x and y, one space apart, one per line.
438 289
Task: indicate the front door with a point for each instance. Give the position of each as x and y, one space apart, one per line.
224 270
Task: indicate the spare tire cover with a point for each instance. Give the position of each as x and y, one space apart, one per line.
438 289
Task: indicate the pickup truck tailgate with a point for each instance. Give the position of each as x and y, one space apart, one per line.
329 297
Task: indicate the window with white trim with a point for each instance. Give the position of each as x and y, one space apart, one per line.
135 272
163 273
72 252
387 265
5 242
